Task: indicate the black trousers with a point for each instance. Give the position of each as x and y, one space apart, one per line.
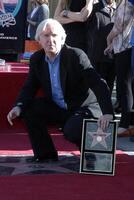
107 72
124 82
41 113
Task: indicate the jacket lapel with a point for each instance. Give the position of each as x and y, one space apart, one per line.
46 77
63 71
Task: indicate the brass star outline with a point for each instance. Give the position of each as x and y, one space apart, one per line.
99 137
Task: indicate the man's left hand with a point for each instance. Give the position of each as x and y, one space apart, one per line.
104 120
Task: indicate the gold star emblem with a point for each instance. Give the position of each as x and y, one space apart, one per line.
99 137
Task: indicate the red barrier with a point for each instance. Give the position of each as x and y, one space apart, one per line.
11 80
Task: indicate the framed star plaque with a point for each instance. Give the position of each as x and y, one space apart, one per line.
98 148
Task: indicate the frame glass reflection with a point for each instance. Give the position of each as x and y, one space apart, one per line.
98 148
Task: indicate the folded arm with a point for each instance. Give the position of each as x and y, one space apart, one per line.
66 16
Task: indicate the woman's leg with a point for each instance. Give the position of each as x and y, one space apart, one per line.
124 81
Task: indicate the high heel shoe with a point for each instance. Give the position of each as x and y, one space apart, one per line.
128 133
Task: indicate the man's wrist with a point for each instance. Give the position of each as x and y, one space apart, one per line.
20 105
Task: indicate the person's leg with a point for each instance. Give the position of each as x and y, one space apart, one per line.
132 61
117 104
73 126
132 126
107 72
36 118
132 113
124 81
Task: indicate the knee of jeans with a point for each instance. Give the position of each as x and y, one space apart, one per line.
29 114
72 134
67 135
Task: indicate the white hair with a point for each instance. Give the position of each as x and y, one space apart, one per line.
42 26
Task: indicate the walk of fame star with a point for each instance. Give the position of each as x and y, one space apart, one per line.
99 137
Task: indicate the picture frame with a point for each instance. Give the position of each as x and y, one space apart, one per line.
98 148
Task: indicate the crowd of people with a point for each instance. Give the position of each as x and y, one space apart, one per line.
85 48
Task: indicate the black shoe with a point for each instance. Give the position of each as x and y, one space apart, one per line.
42 160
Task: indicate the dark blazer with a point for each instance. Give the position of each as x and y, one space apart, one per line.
79 82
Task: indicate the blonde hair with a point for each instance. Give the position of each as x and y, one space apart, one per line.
42 26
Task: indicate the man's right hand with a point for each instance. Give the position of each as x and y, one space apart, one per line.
14 113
